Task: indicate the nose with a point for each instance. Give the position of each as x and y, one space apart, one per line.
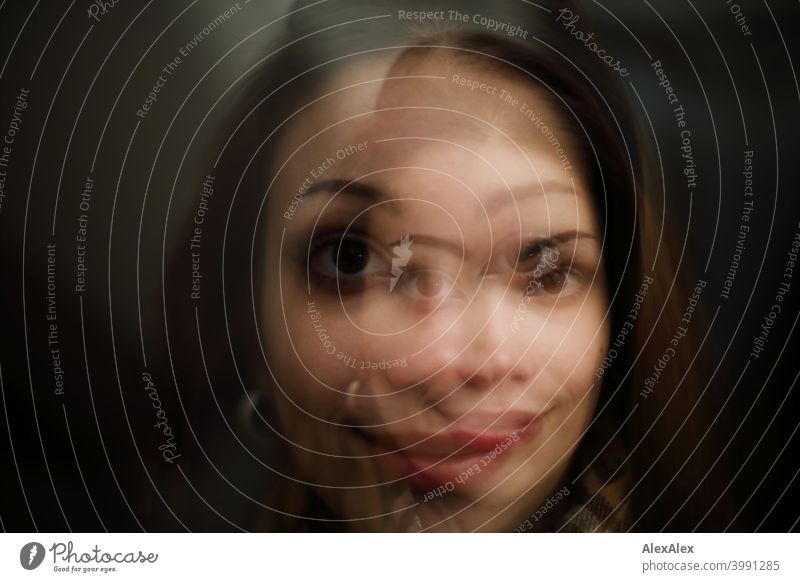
474 349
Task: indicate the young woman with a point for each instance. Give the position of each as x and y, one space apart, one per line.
444 286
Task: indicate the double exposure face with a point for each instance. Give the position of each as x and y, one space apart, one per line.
439 309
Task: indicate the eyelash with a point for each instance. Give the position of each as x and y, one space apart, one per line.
544 251
342 283
338 283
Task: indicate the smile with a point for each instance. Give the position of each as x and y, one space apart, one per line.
430 460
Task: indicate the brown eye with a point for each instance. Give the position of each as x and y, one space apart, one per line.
350 257
552 281
545 272
344 260
536 256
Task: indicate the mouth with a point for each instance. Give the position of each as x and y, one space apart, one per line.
458 456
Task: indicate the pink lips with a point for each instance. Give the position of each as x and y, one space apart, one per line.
429 460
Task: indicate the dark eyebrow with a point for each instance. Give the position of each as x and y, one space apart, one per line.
373 194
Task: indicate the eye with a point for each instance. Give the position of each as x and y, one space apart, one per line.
346 258
537 255
541 266
536 259
554 281
426 284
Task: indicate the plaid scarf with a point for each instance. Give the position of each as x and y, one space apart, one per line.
601 487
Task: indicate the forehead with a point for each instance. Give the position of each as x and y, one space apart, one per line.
467 124
438 93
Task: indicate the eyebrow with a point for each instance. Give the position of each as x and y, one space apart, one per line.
334 186
457 249
374 194
541 188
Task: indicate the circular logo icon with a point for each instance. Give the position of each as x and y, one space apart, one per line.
31 555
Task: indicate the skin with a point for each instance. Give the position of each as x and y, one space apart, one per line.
482 331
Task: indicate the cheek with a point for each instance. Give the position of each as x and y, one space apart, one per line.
582 356
568 383
311 350
576 350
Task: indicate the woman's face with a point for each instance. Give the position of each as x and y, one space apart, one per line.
435 310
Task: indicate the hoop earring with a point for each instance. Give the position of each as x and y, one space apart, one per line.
248 421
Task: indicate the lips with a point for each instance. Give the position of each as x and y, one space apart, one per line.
429 460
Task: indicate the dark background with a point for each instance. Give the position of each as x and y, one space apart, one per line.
86 460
